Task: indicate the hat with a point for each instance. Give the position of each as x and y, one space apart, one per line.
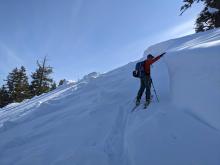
150 56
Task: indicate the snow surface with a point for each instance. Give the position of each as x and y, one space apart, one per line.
212 10
89 122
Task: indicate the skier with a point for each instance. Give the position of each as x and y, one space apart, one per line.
145 78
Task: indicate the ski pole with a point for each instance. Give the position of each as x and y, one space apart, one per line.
155 91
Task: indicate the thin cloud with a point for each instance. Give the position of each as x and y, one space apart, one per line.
76 8
183 29
8 58
135 49
180 30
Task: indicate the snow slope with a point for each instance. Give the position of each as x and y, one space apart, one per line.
90 123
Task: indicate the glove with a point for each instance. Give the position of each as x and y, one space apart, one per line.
162 54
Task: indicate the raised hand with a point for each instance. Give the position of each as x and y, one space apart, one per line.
163 54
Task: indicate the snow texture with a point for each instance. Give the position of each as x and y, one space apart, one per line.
212 10
89 122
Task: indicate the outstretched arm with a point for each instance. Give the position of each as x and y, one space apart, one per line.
157 58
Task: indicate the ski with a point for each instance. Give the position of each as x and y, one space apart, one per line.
133 109
145 106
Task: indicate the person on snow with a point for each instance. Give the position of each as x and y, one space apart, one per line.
145 78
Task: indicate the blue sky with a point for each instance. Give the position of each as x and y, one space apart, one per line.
82 36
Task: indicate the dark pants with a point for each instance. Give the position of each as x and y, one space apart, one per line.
145 84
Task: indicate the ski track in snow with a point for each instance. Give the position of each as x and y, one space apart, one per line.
114 143
202 121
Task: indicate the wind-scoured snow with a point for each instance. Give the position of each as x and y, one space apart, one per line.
89 122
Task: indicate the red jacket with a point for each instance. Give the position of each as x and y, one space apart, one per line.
148 62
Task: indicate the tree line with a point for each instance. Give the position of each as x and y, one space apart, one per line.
208 18
17 87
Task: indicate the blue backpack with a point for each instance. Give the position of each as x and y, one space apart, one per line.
139 70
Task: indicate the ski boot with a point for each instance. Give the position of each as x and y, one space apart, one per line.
146 104
138 102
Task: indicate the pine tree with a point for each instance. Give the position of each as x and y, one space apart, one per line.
10 83
62 82
23 87
209 17
18 86
41 82
4 97
53 86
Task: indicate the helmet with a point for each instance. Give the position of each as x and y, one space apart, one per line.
150 56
